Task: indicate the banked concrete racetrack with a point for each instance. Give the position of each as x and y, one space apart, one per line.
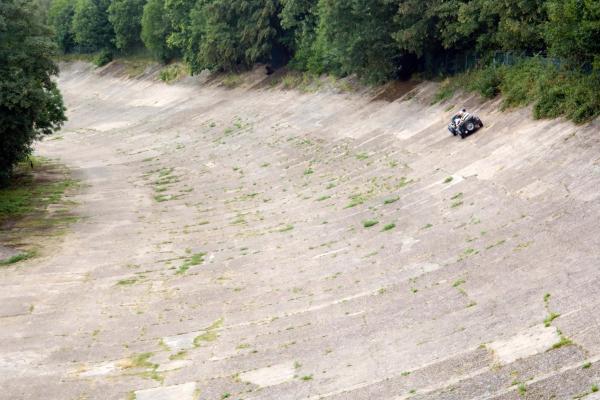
222 250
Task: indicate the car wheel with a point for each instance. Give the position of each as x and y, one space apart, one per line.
470 126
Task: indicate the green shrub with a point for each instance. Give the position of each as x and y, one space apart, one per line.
584 101
232 81
521 83
103 58
486 81
445 91
567 93
171 73
550 103
553 92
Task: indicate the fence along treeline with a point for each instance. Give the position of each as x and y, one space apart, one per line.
376 39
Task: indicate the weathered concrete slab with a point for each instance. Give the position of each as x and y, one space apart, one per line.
14 306
181 342
529 342
184 391
99 370
270 244
270 376
173 365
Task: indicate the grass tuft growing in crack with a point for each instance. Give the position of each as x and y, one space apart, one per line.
17 258
551 317
195 259
564 341
209 334
370 223
127 282
142 361
286 228
178 356
388 227
391 200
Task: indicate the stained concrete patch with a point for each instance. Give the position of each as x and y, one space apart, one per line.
15 306
100 370
407 244
184 341
107 126
534 189
270 376
331 253
423 268
184 391
19 360
486 168
534 340
172 366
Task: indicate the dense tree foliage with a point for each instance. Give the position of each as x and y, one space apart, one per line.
355 37
177 13
156 28
61 18
126 19
376 40
227 34
30 104
573 29
432 26
91 26
300 19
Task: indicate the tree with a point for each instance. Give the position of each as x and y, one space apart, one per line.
442 32
42 8
30 104
177 13
61 18
573 30
156 28
417 26
229 34
521 25
356 37
300 19
485 26
126 19
91 27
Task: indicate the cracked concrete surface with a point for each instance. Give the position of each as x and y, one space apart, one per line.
223 251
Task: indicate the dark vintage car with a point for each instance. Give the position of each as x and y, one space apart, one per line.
464 125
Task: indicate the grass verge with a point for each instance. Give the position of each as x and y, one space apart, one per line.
25 219
27 193
553 92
